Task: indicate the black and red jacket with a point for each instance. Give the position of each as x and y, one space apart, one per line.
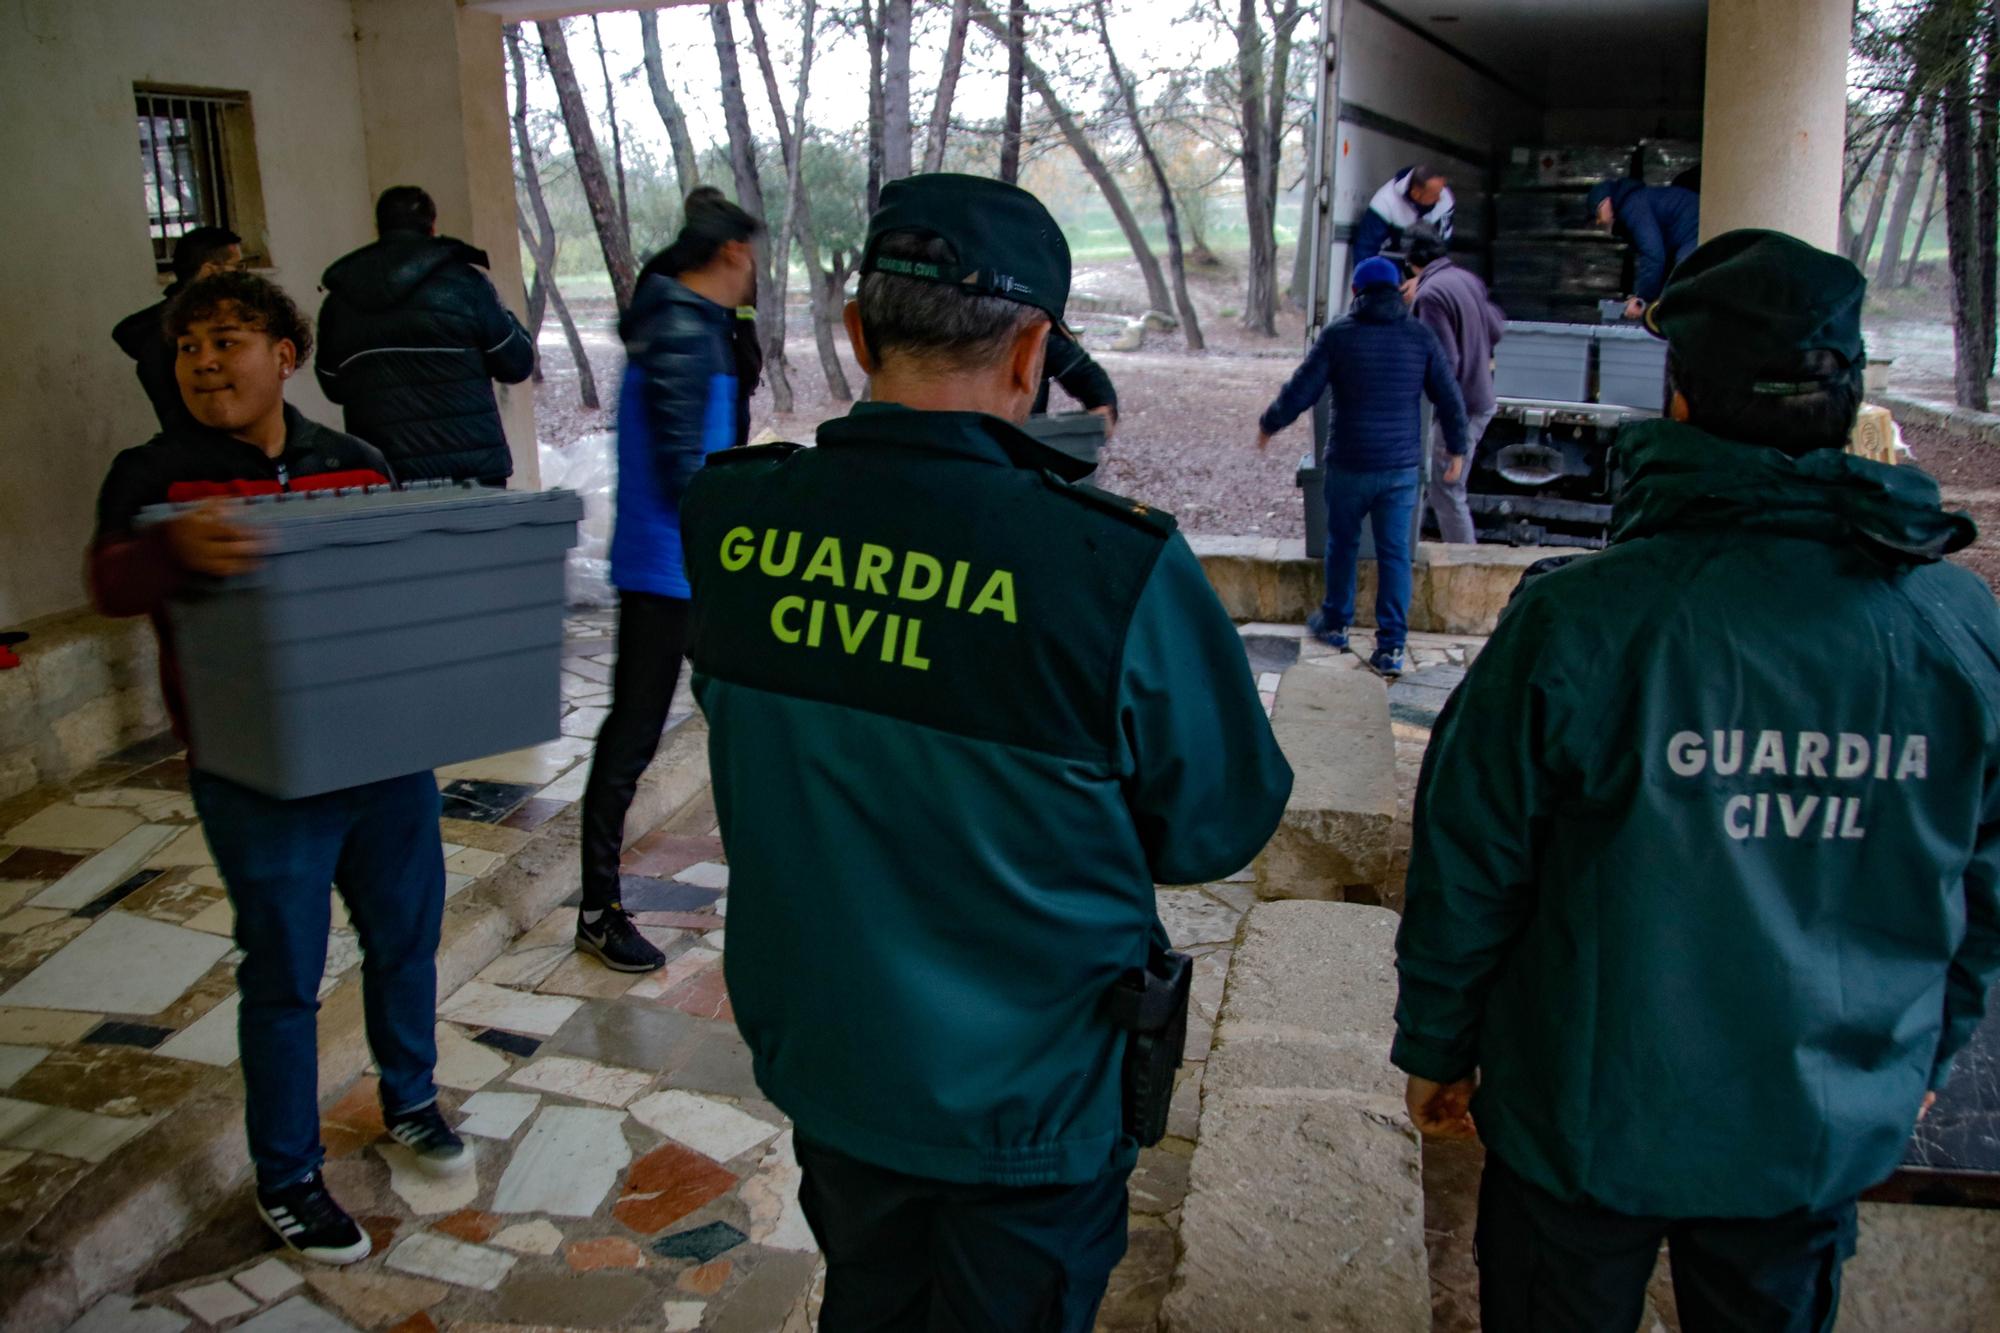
133 571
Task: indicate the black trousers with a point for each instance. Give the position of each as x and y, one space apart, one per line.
1546 1266
909 1255
652 638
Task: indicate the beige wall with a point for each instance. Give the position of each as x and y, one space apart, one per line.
76 257
434 101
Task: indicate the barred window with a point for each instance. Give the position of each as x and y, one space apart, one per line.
197 165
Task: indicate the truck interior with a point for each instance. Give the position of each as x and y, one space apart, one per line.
1525 104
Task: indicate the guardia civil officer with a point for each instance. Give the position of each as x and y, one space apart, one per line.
1703 897
964 713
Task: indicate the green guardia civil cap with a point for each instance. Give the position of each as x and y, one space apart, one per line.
1748 305
1003 241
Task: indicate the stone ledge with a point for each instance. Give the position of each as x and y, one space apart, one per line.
86 688
135 1205
1335 840
1981 426
1920 1267
1454 590
1306 1206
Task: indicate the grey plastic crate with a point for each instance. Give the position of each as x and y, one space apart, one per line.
1631 368
1078 434
1550 362
385 632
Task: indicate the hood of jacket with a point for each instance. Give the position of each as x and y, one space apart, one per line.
1380 305
1681 478
383 275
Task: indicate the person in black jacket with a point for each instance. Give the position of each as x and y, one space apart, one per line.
412 335
139 335
681 400
1064 362
1663 223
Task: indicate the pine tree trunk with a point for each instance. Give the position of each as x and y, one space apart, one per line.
750 194
871 29
687 169
1295 290
1864 241
542 237
1016 39
1986 174
1107 183
826 290
1912 175
1260 297
617 135
611 237
1961 219
954 60
1924 230
1169 214
896 150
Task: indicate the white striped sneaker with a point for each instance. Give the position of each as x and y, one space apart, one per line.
438 1151
308 1220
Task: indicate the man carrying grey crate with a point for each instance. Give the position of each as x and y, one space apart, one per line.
237 339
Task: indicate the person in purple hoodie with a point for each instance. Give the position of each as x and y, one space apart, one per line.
1453 303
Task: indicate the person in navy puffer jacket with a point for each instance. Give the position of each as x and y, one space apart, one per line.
680 401
1380 364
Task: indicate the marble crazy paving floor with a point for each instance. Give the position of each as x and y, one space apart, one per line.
628 1175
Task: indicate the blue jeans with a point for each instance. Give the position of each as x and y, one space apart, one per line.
1390 498
377 844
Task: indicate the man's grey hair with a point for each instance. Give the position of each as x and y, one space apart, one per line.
934 321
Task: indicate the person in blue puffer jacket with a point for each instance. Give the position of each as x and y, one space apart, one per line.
1663 223
682 399
1380 363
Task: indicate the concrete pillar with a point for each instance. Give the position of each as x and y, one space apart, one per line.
1774 119
434 110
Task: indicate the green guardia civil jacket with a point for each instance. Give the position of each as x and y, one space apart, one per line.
1707 845
963 715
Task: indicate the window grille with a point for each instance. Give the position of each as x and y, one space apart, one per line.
184 164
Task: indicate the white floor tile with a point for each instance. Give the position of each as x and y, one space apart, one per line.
529 968
496 1115
443 1259
209 1040
712 1128
297 1315
120 1314
109 868
772 1195
508 1010
71 828
568 1162
213 1302
123 964
681 1316
269 1280
584 1080
427 1195
54 1129
706 875
463 1063
537 1237
18 1060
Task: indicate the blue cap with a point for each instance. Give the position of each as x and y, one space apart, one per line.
1376 272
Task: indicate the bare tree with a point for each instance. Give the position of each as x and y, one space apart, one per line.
611 235
1961 222
896 149
1931 209
687 172
541 237
1906 195
750 194
871 32
954 60
1128 97
1260 95
1986 177
1086 153
617 135
1016 40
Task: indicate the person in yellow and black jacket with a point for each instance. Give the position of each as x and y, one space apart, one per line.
964 713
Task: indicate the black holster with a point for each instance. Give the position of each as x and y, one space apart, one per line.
1151 1005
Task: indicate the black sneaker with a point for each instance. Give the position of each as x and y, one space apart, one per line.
1387 663
439 1151
308 1220
617 943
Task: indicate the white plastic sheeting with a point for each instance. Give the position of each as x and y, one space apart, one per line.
588 465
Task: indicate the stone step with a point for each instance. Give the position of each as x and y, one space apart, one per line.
1306 1203
1454 589
1336 839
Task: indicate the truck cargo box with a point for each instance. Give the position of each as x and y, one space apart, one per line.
385 632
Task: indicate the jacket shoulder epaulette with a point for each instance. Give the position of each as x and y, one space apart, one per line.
1137 513
775 452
